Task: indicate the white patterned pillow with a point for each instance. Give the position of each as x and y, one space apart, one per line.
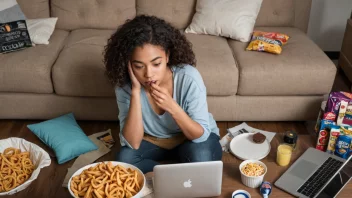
228 18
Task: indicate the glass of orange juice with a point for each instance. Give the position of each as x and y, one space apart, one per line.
284 153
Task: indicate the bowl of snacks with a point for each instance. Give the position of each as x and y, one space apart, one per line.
252 173
20 164
107 179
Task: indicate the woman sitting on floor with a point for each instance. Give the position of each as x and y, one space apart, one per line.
161 96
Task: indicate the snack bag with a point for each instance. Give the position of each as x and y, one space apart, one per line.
333 104
324 134
347 119
14 36
267 42
334 134
343 145
346 130
107 139
342 112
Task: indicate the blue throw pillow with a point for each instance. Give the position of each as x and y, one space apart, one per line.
64 136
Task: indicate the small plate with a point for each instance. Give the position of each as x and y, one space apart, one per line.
243 147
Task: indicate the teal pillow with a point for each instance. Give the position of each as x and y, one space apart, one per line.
64 136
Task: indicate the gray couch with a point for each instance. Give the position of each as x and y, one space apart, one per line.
67 75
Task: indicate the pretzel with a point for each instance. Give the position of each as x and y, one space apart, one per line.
15 168
253 169
105 181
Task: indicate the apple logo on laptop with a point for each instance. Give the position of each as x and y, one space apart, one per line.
187 184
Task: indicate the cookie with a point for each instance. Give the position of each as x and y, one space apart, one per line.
259 138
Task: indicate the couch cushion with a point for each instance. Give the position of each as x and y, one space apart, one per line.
107 14
79 70
216 64
301 69
29 70
47 106
276 13
34 9
177 12
287 13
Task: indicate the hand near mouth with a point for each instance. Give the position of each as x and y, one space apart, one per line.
162 97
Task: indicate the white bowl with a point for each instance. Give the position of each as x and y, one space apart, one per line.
241 193
38 156
114 163
252 181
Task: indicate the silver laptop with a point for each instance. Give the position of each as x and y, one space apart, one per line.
316 174
198 179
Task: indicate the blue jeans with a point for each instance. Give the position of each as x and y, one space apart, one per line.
146 157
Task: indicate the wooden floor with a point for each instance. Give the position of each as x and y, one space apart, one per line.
49 182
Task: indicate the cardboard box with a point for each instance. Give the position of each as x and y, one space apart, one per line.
345 60
320 117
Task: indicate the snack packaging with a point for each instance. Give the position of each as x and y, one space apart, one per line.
342 112
333 104
324 134
346 130
343 145
14 36
107 139
334 134
265 189
337 113
347 119
267 42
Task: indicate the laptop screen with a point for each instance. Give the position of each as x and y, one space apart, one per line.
338 182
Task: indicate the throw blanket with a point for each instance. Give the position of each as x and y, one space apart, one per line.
10 11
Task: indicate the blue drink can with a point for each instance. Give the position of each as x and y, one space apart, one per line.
265 189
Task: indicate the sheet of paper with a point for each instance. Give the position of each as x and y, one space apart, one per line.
240 129
107 139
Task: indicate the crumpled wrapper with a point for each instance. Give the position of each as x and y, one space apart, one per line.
39 157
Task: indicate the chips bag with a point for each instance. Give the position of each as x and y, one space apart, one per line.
334 134
343 145
333 105
324 134
14 36
267 42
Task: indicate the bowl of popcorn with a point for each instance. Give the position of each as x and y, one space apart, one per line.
252 173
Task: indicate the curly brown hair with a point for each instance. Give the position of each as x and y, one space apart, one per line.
142 30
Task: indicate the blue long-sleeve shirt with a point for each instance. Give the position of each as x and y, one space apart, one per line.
189 92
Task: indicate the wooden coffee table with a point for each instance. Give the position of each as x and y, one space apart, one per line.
49 182
232 175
